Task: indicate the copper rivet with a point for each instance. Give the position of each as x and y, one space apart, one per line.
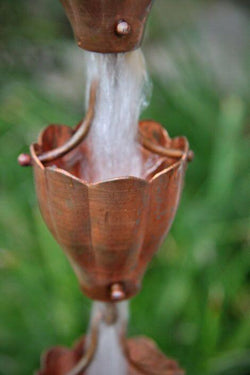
24 160
123 28
190 155
117 292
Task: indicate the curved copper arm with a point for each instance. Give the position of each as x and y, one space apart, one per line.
25 159
78 136
91 350
163 151
82 131
109 316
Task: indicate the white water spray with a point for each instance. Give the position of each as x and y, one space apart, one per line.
109 358
120 98
114 153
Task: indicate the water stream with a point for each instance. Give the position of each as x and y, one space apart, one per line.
121 96
109 358
114 153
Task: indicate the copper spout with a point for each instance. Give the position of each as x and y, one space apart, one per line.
108 26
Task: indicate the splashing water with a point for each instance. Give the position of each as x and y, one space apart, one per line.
114 153
121 96
109 358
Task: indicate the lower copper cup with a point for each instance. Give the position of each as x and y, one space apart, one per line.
143 358
111 229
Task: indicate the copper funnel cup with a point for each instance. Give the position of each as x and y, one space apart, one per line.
108 26
111 229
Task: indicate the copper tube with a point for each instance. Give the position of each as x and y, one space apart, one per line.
78 136
25 160
163 151
97 23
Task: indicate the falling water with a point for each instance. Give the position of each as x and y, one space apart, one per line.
121 96
109 358
114 153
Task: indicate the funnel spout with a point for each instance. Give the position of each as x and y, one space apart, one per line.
108 26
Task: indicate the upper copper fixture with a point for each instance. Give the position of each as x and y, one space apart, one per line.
108 26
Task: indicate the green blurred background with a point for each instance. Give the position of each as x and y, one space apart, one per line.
195 297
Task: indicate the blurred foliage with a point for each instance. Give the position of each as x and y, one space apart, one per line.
195 297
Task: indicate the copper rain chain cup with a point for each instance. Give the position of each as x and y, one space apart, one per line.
109 230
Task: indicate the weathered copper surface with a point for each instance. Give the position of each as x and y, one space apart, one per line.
142 352
111 229
98 27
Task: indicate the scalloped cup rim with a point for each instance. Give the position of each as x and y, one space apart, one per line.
123 178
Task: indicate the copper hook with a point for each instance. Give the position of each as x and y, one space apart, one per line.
85 361
82 131
163 151
109 316
75 140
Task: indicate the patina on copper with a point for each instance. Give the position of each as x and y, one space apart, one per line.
110 229
108 26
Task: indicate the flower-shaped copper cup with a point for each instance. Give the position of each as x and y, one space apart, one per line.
110 229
